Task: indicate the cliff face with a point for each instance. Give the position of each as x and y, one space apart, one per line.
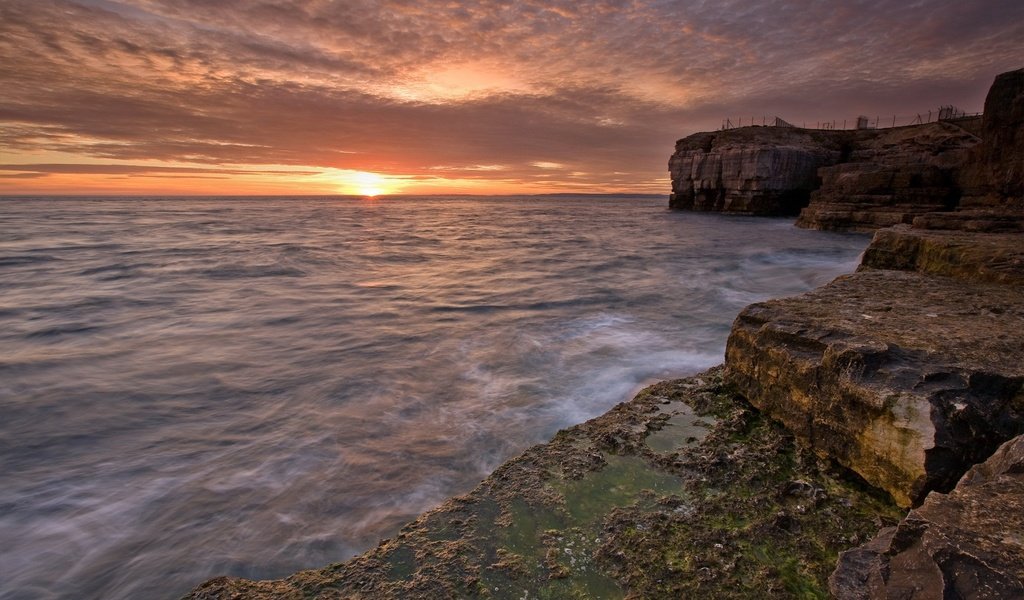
860 180
751 170
845 180
996 176
890 177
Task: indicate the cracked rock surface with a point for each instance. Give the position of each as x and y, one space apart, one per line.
906 378
965 544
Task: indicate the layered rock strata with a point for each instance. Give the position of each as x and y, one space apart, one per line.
752 170
906 378
890 177
852 180
965 544
991 257
974 220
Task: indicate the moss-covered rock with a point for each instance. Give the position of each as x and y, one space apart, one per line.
686 489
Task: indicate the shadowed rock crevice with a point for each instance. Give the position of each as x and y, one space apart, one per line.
965 544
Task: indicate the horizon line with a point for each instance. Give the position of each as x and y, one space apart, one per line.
457 195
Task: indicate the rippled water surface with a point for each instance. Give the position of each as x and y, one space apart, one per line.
196 387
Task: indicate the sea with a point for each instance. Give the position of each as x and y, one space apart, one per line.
194 387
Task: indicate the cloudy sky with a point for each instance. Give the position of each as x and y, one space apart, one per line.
482 96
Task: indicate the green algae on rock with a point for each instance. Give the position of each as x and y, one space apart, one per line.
730 507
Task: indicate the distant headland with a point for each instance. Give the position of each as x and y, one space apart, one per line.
860 179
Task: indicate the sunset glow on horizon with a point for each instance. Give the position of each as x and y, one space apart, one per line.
376 98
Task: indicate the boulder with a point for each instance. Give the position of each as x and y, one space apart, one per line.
906 378
965 544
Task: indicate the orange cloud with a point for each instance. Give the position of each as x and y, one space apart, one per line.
423 96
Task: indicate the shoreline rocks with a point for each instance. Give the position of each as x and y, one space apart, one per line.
964 255
684 491
906 378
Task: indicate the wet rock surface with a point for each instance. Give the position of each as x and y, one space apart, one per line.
906 378
685 491
965 544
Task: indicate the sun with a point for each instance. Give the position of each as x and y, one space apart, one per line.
361 183
368 184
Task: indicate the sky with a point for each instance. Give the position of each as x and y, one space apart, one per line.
375 97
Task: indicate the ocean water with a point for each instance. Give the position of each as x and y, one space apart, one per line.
197 387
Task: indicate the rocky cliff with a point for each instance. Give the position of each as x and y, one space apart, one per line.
995 177
890 176
751 170
856 180
860 180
